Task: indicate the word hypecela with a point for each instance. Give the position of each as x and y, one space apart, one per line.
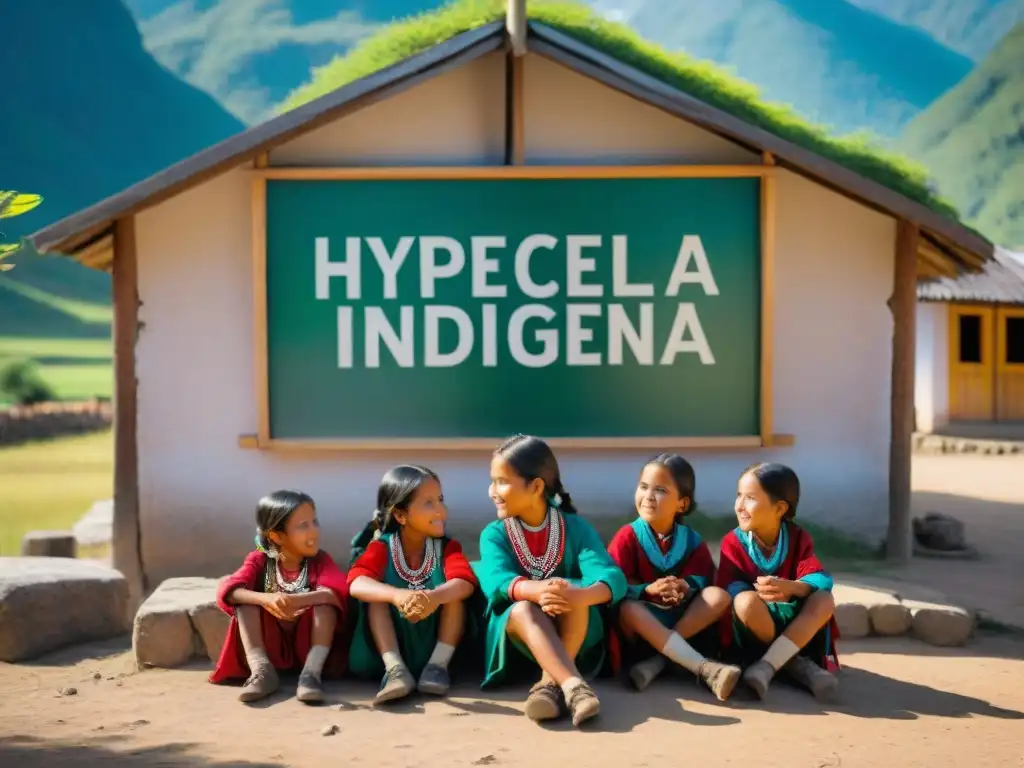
691 266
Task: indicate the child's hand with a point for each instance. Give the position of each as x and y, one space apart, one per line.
401 599
419 606
664 591
771 589
282 606
555 598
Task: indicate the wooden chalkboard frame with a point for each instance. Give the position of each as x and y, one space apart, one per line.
263 440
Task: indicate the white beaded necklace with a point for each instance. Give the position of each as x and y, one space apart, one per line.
415 578
274 580
538 567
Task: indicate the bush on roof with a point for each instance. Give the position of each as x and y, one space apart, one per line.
701 79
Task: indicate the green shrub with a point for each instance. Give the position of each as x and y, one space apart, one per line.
21 382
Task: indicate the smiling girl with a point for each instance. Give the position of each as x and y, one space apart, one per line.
782 594
286 604
543 571
412 582
670 599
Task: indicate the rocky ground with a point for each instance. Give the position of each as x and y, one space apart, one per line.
902 704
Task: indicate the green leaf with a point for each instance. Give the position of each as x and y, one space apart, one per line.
16 203
6 249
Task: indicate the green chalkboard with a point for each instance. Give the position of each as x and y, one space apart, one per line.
342 365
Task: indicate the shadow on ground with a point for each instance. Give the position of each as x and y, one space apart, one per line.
98 651
26 752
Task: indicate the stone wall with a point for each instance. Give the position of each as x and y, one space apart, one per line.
20 424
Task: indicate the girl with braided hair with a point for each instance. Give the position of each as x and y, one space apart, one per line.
412 582
544 573
287 605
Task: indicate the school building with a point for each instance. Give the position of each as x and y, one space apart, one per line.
510 231
970 351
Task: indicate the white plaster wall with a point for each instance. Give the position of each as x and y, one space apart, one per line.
409 129
198 489
572 119
931 369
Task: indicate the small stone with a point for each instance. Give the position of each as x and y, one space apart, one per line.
69 691
97 676
486 760
941 625
329 730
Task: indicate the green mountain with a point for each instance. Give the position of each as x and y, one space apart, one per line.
972 139
970 27
86 112
835 63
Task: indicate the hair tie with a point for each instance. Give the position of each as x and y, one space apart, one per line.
269 550
556 500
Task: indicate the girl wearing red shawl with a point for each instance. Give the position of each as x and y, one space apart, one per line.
782 594
286 603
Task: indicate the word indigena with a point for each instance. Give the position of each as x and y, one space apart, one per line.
378 329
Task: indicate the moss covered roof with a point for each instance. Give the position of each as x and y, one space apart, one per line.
701 79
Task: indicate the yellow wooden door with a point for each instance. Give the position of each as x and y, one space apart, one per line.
1010 364
971 363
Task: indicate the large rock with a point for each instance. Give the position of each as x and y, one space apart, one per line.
48 544
940 624
48 603
178 622
940 532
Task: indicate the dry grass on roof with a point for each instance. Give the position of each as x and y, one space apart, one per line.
701 79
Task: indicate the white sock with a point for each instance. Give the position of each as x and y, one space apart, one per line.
442 654
257 658
682 653
779 652
315 660
570 685
392 659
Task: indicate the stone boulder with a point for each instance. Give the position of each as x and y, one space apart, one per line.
940 624
49 544
180 621
49 603
940 532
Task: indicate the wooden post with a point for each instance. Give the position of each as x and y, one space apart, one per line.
515 26
126 531
903 305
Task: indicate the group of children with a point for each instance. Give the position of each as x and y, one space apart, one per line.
545 597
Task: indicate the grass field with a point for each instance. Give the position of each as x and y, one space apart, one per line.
49 484
77 369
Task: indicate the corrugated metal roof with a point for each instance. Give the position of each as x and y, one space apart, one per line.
1001 281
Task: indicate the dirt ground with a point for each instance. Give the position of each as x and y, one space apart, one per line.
902 704
987 494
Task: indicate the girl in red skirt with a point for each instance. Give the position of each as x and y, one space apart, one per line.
286 603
